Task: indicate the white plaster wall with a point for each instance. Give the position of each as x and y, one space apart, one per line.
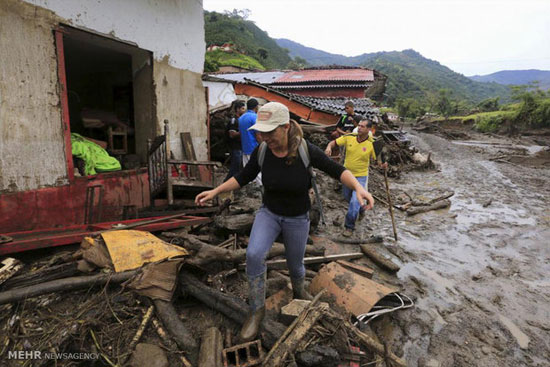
219 94
173 28
32 150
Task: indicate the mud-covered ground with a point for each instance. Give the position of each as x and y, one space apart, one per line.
478 271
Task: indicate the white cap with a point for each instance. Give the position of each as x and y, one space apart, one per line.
270 116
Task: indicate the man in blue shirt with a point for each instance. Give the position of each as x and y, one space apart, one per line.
249 139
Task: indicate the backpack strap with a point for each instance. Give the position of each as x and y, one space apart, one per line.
261 154
303 150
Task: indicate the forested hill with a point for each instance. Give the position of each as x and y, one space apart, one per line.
410 75
247 38
517 77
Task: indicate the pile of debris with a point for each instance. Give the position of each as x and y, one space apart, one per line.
130 298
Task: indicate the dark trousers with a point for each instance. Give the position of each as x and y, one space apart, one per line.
235 163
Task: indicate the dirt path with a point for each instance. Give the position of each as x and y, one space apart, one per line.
479 271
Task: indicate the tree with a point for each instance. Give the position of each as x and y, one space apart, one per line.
444 106
297 63
262 53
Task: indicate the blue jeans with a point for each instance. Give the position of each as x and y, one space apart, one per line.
265 230
235 163
354 207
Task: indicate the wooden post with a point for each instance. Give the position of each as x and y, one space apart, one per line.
389 203
169 192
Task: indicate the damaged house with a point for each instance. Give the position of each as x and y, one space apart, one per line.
111 72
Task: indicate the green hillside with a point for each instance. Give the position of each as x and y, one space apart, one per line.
410 75
517 77
217 58
247 38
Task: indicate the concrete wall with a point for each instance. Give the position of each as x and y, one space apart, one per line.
168 28
31 136
32 151
181 99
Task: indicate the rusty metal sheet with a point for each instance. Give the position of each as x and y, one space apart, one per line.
131 249
350 291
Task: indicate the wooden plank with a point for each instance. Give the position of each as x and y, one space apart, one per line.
281 264
188 151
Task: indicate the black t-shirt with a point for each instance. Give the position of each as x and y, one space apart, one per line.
346 123
286 186
233 143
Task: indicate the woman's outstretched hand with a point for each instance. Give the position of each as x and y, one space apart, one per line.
362 196
205 196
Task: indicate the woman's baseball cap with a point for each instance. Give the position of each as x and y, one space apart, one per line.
270 116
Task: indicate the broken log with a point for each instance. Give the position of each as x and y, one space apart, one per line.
240 223
66 284
422 209
210 354
380 260
434 200
230 306
206 254
351 241
171 321
288 342
281 264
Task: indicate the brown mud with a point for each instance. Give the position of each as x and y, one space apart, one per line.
478 270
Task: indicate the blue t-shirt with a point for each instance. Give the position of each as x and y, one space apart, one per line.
248 137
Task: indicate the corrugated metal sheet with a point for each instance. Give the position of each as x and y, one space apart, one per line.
293 86
261 77
335 105
327 75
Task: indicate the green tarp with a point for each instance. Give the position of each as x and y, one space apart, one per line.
96 158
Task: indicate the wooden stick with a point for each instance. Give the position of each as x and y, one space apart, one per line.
373 345
139 333
183 337
389 202
162 334
278 352
278 264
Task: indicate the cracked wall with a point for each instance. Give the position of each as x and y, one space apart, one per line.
32 151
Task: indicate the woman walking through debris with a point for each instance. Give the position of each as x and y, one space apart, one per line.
286 203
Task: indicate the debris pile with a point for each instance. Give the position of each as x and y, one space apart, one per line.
126 298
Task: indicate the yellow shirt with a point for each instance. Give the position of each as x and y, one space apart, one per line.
358 155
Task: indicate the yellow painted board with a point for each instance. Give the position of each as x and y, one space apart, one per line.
131 249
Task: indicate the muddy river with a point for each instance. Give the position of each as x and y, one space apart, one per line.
479 271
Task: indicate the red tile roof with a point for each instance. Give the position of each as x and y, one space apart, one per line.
304 76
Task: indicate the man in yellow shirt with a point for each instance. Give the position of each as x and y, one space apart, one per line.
359 152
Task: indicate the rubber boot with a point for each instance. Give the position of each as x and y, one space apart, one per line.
256 299
299 290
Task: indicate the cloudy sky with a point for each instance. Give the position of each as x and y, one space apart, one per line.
469 36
